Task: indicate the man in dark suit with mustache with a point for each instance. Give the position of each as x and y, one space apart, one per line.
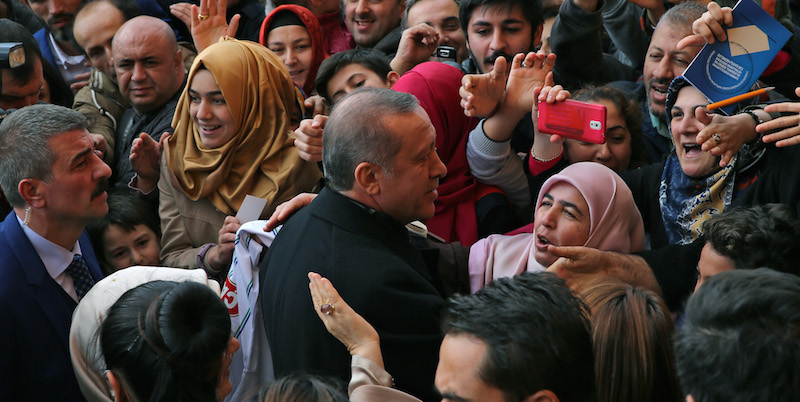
55 180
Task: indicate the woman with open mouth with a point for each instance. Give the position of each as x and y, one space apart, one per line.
718 161
586 204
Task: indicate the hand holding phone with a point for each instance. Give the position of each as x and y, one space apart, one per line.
573 119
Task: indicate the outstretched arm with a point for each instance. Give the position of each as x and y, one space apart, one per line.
581 265
788 127
351 329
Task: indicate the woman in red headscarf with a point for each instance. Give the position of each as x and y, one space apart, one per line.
293 33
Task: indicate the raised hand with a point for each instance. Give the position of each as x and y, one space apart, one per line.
145 160
708 27
341 321
416 46
212 26
530 71
481 94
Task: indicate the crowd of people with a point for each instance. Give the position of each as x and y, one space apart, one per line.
418 236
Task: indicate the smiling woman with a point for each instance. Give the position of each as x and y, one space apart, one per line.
231 139
294 34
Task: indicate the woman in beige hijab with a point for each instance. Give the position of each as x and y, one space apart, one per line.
232 138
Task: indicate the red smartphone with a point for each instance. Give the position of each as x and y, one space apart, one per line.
578 120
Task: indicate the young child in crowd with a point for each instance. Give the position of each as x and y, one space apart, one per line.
129 235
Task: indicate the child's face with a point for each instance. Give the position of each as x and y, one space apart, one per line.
123 249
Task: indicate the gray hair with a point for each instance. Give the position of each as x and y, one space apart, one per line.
356 133
25 144
683 15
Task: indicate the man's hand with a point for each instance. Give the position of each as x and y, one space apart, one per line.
788 126
482 93
416 46
287 209
308 138
708 27
145 160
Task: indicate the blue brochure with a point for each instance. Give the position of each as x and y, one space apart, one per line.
725 69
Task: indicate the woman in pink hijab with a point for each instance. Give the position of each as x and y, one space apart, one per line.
586 204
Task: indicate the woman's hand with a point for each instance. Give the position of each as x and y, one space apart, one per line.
724 135
546 146
220 256
346 325
788 126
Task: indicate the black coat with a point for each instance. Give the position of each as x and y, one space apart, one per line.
370 260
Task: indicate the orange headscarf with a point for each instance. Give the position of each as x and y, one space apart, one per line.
261 158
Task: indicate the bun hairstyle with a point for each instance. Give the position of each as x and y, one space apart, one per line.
165 341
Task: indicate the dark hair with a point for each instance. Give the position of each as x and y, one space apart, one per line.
758 236
632 337
126 209
629 109
11 31
301 388
372 59
166 340
531 10
356 133
740 340
536 333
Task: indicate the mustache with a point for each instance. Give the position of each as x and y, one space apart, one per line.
101 188
493 57
55 17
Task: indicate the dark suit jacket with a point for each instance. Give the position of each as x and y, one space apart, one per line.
35 313
369 259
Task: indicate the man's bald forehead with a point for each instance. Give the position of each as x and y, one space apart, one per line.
145 27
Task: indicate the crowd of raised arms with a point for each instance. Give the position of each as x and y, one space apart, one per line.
372 200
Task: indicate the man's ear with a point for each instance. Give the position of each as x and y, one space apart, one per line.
29 190
542 396
178 61
367 176
391 78
537 38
